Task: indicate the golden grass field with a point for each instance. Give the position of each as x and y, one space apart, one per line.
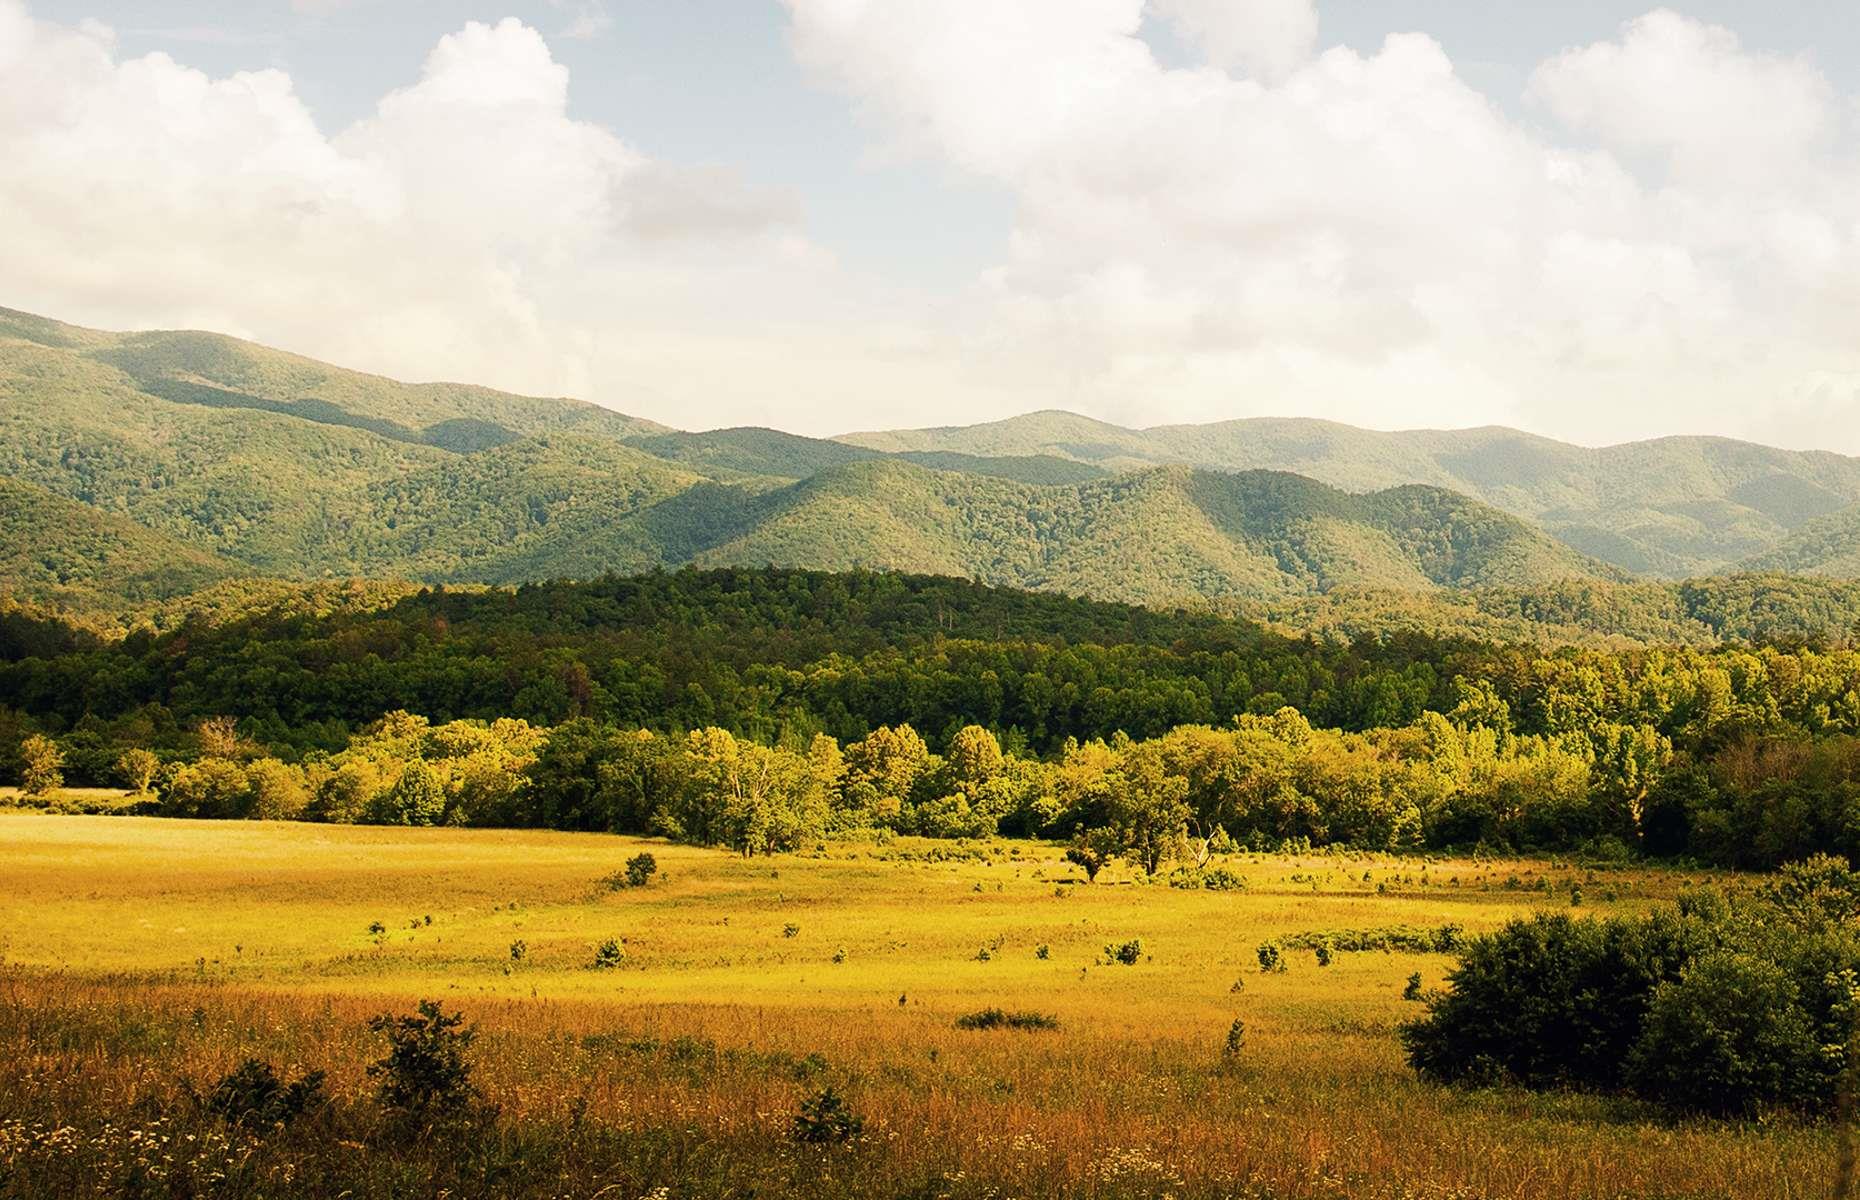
143 952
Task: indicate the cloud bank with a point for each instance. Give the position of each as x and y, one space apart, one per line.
1669 240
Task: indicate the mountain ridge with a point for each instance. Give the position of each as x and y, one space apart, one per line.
263 462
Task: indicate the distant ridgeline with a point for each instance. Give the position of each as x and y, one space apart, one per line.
138 467
760 708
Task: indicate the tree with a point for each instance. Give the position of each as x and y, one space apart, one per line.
41 765
136 769
753 799
417 798
424 1077
1093 850
1149 808
278 790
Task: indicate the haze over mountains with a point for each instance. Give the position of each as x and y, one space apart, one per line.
138 465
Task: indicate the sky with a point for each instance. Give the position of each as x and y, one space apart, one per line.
1593 220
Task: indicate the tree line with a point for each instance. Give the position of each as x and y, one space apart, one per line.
762 708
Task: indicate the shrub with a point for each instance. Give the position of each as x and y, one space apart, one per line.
1408 939
1236 1039
826 1118
424 1076
519 949
1550 1001
1128 953
790 930
1730 1036
995 1018
252 1095
607 956
1323 954
640 869
1270 959
1412 990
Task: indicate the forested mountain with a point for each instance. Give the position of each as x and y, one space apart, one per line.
1828 546
1672 507
1154 536
144 464
75 554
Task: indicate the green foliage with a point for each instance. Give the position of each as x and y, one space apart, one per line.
136 767
424 1077
255 1096
1271 958
608 956
640 869
1730 1034
807 692
825 1118
416 797
41 765
1128 953
995 1018
1093 851
1402 939
1236 1040
1725 1004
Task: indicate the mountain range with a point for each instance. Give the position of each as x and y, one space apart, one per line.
139 465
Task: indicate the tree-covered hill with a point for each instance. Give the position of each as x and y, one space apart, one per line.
1158 536
1670 507
259 462
1827 546
63 552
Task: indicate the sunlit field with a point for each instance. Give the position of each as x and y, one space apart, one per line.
146 957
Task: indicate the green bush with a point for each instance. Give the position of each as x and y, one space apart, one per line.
1723 1003
252 1095
1729 1035
995 1018
640 869
1550 1001
826 1118
1128 953
424 1076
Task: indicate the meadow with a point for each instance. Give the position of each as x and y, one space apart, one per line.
145 958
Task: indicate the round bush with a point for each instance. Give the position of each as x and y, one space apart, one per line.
1729 1035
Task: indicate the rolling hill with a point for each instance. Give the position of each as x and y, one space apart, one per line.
1828 546
141 464
1667 508
1158 536
65 552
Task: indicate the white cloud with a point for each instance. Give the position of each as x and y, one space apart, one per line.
468 229
1267 39
1367 237
1692 95
1283 230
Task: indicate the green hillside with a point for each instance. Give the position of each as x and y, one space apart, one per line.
144 464
1828 546
753 453
214 371
61 551
1161 535
1670 508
